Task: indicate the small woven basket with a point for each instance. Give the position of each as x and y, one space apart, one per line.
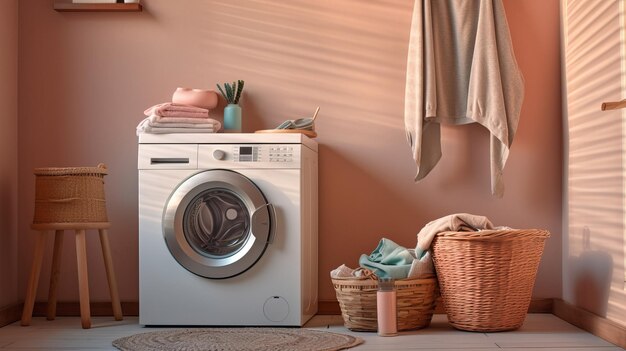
415 302
70 195
487 277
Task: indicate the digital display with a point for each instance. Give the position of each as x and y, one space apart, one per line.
245 150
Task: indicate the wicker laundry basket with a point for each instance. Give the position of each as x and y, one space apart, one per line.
415 303
70 195
487 277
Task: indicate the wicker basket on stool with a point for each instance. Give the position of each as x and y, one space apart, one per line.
70 199
70 195
487 277
357 299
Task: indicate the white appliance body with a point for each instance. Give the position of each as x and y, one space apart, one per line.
192 271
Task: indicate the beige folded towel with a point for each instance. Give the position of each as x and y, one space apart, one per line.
189 120
147 126
178 122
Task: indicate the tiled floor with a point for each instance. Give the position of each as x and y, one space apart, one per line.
539 332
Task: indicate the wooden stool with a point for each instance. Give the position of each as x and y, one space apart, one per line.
70 199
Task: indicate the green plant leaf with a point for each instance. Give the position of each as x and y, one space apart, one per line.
239 90
229 93
222 92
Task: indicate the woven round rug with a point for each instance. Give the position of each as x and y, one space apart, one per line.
239 339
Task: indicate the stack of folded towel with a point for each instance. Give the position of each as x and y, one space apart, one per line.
175 117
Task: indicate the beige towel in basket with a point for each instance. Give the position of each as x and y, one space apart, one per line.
458 222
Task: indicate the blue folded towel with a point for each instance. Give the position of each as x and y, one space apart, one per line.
388 260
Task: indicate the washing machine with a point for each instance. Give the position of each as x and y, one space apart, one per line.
227 229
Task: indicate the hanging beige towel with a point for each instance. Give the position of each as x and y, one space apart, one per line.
461 69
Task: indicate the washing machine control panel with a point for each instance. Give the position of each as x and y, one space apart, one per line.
249 155
246 153
263 153
282 153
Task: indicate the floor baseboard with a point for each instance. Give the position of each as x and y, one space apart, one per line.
72 309
10 314
596 325
13 313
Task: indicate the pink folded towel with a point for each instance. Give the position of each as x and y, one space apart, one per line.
189 120
169 109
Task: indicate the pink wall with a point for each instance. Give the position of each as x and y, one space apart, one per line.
85 79
8 153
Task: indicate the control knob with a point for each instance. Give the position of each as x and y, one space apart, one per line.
219 154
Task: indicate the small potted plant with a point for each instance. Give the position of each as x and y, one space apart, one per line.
232 112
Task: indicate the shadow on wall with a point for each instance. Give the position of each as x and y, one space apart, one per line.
592 270
362 208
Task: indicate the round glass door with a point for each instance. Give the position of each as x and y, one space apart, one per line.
217 224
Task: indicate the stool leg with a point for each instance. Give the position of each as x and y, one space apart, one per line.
54 275
83 279
33 280
108 265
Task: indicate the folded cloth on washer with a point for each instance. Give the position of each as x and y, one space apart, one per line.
303 123
169 109
157 130
388 260
146 126
189 120
458 222
173 122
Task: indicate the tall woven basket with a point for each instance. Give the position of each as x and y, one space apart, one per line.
70 195
487 277
415 302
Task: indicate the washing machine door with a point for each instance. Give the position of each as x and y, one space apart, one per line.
217 223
